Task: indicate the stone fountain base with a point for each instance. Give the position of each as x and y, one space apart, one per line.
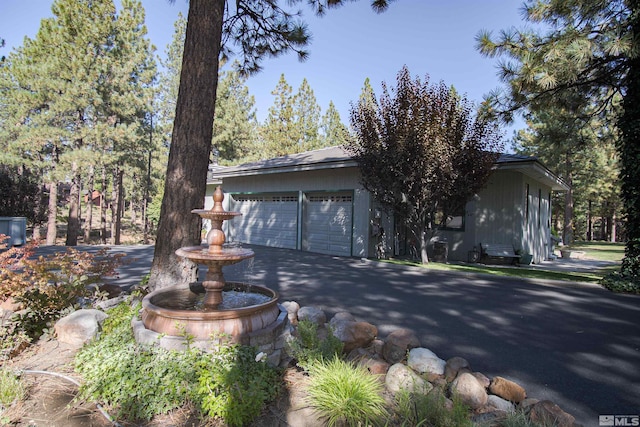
262 326
270 340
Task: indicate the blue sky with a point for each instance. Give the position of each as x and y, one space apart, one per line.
349 44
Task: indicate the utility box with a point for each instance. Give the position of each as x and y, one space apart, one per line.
16 228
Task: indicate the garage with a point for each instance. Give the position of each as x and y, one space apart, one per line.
328 222
267 219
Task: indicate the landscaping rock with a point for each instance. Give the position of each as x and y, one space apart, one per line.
547 412
354 334
500 404
374 365
10 305
342 316
508 390
79 327
453 367
482 378
292 308
312 314
398 343
425 361
401 377
469 390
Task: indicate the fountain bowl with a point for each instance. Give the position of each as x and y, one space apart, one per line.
235 325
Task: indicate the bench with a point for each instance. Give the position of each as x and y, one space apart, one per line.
498 250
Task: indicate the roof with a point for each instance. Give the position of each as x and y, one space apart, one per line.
338 157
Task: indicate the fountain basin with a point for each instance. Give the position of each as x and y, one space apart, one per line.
235 324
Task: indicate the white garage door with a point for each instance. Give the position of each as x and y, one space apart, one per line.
327 223
267 219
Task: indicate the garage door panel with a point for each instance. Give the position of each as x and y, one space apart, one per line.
267 220
327 223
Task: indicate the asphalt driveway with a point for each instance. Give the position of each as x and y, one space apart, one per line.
575 344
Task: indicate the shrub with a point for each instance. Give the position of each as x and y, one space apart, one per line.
345 393
234 386
140 382
308 348
48 287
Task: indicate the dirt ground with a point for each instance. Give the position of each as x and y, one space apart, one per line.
50 401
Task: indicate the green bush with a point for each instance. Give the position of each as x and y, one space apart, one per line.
136 382
308 348
234 386
345 394
140 382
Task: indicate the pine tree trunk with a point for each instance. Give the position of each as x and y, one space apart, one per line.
589 223
52 229
567 232
87 225
186 177
103 208
119 206
73 223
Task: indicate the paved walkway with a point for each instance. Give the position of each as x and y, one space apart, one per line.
575 344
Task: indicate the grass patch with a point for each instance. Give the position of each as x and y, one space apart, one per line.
430 410
11 389
601 251
525 273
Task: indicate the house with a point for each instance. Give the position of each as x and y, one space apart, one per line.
314 201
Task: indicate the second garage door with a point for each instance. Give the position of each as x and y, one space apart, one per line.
327 226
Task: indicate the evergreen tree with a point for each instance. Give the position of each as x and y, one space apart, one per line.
307 117
280 133
76 96
582 155
169 80
591 48
235 124
333 131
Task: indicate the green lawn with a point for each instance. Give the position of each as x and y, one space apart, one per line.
595 250
601 251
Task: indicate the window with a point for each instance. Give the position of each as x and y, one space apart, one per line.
451 220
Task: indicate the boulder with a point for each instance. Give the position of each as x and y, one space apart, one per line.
507 389
374 366
342 316
398 343
546 412
425 361
401 377
469 390
10 305
500 404
79 327
312 314
354 334
482 378
453 367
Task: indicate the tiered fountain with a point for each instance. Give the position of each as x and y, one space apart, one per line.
213 309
